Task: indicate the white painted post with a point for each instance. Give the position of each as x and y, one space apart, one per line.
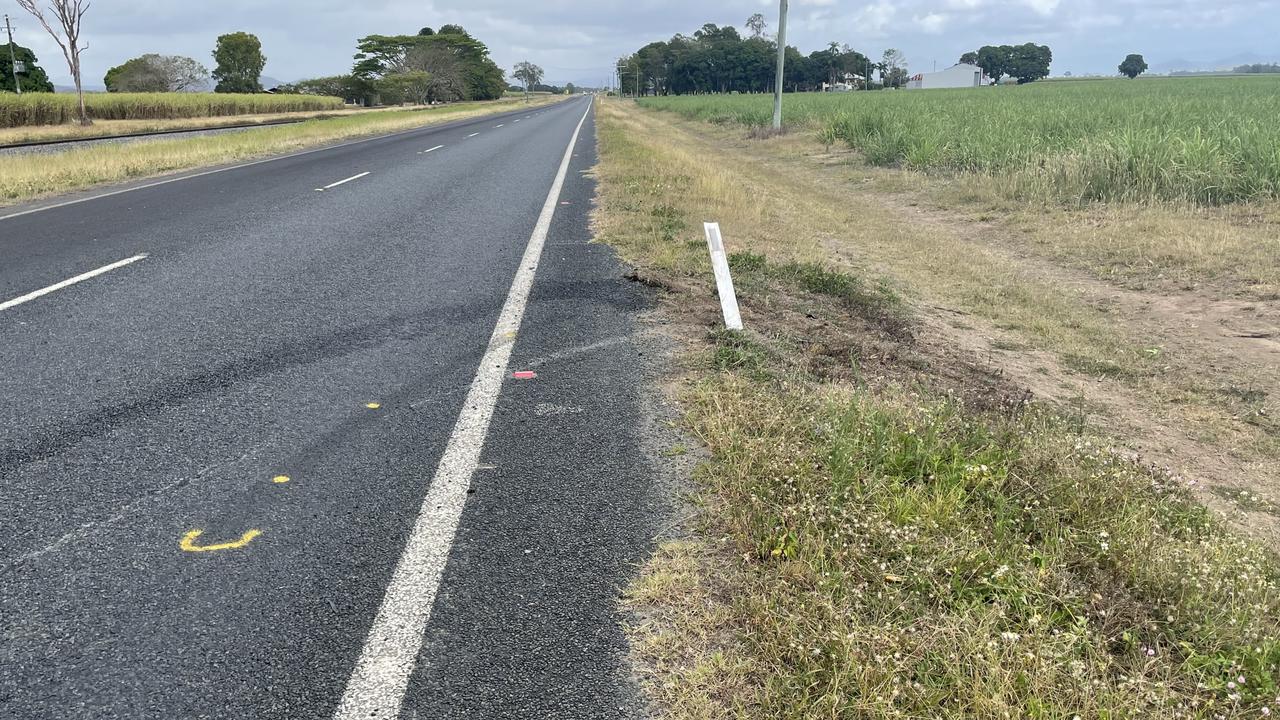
724 282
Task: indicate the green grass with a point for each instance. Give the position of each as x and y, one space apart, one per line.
1200 140
906 557
898 541
55 109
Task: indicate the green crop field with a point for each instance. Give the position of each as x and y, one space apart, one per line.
55 109
1206 141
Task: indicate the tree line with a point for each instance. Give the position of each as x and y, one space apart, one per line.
430 66
1257 68
721 60
1025 63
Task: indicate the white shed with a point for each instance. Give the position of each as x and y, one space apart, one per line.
956 76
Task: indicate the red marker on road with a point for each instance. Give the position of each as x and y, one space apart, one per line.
524 375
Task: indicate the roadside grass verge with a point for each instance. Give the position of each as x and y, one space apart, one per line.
886 528
23 177
990 270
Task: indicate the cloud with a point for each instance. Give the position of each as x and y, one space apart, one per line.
933 23
578 40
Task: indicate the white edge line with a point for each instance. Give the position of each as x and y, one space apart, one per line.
215 171
343 182
381 674
70 281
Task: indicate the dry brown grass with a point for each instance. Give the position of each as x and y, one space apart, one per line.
1147 361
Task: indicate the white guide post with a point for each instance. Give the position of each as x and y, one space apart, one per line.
724 282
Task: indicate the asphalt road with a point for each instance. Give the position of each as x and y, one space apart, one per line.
330 383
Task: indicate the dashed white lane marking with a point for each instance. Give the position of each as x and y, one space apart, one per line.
69 282
495 127
381 675
341 182
473 135
431 150
215 171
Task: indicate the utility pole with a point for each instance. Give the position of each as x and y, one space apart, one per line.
13 60
782 59
637 81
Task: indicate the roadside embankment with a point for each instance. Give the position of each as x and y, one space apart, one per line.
890 522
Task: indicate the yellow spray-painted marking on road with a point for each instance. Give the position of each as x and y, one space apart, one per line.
189 542
373 406
279 479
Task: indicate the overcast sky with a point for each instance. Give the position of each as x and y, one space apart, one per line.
577 40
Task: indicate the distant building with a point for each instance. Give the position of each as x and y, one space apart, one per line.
848 82
956 76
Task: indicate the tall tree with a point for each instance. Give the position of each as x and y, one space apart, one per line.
757 25
67 15
1133 66
459 65
157 73
1030 62
995 60
527 73
240 62
969 58
894 64
33 80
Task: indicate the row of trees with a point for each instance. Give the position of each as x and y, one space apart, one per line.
1025 63
429 66
432 66
1258 68
721 60
238 68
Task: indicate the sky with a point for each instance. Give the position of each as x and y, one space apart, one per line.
578 40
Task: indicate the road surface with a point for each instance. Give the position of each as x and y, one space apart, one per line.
352 433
